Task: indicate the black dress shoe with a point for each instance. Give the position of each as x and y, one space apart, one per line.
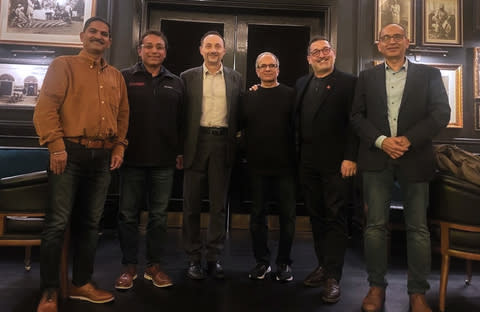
195 271
331 291
215 269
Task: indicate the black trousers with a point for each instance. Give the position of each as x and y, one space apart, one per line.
284 189
326 196
209 164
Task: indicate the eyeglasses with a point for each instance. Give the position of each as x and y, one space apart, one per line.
151 46
318 52
264 66
396 38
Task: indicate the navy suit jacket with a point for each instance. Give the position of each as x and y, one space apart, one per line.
424 111
333 139
193 81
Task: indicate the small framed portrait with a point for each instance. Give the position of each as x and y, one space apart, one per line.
44 22
452 80
442 22
398 12
476 73
20 84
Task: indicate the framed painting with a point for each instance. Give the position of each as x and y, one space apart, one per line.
476 73
20 84
442 22
44 22
395 11
452 80
477 116
476 15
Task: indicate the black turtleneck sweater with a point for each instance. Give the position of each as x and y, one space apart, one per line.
267 119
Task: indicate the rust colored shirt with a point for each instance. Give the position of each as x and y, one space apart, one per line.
81 97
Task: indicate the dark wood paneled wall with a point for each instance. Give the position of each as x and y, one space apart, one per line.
351 25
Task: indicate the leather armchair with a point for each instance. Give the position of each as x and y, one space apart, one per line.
23 200
455 215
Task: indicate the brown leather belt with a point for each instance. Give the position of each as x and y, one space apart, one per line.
89 143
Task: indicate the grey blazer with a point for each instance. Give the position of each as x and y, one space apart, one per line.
193 80
424 111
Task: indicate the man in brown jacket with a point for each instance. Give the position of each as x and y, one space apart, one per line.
82 117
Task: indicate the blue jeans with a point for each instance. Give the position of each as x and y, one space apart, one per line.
136 184
284 188
78 194
378 187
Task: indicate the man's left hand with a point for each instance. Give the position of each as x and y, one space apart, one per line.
116 162
348 168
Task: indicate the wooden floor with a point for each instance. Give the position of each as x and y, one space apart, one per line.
20 289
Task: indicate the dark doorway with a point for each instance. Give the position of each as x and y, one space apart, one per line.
183 42
288 43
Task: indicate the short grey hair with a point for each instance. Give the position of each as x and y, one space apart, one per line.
266 53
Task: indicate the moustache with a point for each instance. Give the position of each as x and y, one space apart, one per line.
97 40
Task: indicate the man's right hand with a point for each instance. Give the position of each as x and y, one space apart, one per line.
395 147
58 162
254 87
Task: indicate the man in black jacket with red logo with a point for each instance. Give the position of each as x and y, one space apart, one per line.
155 97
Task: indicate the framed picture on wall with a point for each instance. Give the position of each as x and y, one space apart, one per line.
52 22
477 116
395 11
452 80
20 84
442 22
476 73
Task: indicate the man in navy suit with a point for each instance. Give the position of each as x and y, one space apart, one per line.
328 151
398 109
211 105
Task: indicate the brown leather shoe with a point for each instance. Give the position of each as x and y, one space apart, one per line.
125 281
418 303
315 278
331 291
90 293
374 300
49 301
158 278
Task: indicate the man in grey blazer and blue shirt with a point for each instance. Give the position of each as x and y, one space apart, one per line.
399 107
212 98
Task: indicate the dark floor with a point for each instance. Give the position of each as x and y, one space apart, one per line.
20 290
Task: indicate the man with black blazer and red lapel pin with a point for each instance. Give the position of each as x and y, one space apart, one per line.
328 151
399 108
211 104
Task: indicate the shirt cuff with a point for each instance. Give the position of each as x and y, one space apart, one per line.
379 141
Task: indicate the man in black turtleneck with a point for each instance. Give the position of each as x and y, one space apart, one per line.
328 151
267 120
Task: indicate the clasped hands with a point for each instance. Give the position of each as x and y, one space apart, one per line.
395 147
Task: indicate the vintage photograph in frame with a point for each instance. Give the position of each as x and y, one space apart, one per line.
476 73
452 80
395 11
442 22
20 84
44 22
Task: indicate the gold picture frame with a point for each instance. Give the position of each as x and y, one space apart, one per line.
395 11
50 23
477 116
453 82
442 22
476 73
